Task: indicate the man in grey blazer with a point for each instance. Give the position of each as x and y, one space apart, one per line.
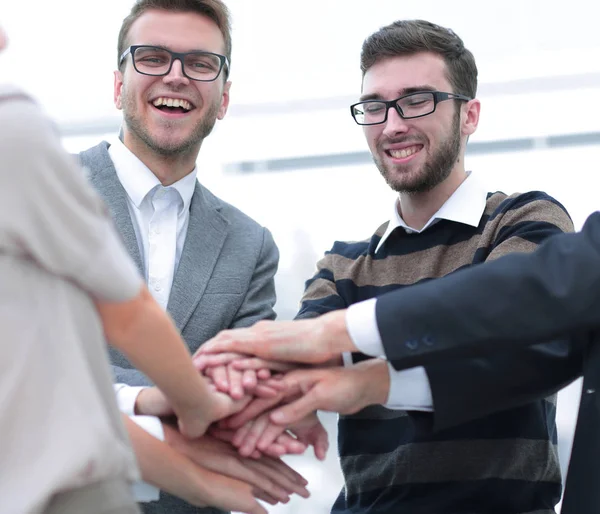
208 264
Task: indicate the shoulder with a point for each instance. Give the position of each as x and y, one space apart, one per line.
532 207
239 223
349 253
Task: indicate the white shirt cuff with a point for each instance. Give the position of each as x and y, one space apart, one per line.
126 397
361 323
409 390
143 491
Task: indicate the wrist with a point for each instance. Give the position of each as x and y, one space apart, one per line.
376 379
338 337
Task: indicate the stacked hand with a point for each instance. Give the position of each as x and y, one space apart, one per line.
266 384
292 369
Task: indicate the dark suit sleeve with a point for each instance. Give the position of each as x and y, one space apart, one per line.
260 298
520 299
472 387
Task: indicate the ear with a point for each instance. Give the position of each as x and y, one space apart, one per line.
470 119
118 88
224 101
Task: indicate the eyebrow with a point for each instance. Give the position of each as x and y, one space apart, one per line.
164 47
401 92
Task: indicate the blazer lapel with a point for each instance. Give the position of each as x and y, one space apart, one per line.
205 237
103 177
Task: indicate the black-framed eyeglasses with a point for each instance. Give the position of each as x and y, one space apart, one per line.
413 105
158 61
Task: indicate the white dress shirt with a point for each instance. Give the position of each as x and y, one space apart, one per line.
160 217
410 389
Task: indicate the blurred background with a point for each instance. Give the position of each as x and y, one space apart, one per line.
288 152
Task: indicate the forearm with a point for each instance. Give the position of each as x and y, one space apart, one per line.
518 299
145 334
470 388
164 467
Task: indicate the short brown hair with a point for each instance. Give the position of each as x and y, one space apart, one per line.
406 37
216 10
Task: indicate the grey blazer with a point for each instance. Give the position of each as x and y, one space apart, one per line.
225 277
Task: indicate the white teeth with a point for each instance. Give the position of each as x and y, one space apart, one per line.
172 102
404 152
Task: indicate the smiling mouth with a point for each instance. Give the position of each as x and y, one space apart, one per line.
403 153
172 105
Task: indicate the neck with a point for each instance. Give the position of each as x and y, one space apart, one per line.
167 168
417 209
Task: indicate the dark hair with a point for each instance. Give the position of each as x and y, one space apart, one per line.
406 37
216 10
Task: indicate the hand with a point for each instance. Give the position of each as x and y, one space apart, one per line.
310 341
261 433
254 409
275 479
194 422
341 390
233 381
170 470
284 444
216 490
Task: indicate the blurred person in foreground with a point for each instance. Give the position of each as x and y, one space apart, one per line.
427 444
67 283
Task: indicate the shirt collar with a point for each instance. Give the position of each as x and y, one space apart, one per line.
466 205
138 180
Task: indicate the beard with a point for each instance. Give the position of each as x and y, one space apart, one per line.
168 148
436 169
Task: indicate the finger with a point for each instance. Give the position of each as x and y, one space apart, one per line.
280 468
240 434
268 436
319 440
253 435
264 391
283 480
296 410
208 360
263 374
233 340
254 409
257 363
266 497
275 451
236 389
219 377
249 379
292 445
261 481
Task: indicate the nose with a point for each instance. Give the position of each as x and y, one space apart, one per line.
176 77
395 124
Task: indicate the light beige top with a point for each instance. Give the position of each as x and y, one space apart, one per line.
59 423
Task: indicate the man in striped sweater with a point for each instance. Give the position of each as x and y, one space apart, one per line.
417 109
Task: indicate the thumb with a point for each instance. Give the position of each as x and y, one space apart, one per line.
296 410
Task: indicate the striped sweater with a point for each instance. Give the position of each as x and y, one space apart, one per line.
392 461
